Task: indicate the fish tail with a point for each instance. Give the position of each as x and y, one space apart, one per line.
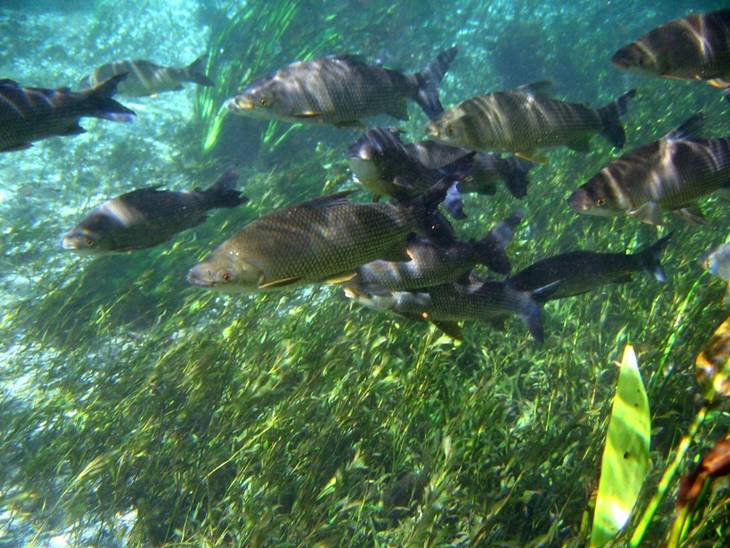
515 170
610 115
532 311
457 170
424 209
195 72
223 193
101 103
428 81
491 250
650 258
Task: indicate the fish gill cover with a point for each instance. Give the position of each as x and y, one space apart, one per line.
137 409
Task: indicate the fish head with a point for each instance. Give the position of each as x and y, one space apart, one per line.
591 199
381 302
369 156
450 129
638 59
717 261
263 99
89 237
224 272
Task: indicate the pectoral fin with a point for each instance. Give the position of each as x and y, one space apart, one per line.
649 213
691 213
580 145
452 329
284 282
533 156
350 123
307 114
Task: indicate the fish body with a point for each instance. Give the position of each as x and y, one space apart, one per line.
582 271
340 90
526 119
666 175
31 114
147 217
146 78
696 47
716 261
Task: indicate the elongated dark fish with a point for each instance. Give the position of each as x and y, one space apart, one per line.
526 119
147 78
32 114
446 305
322 240
341 90
431 264
696 47
670 174
147 217
582 271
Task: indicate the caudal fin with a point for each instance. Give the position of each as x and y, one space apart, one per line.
610 115
491 250
195 72
101 104
428 83
532 311
514 171
650 258
456 170
223 192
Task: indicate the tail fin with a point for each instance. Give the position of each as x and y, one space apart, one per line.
195 72
222 193
532 311
428 83
101 103
491 250
611 119
457 170
650 258
429 221
514 171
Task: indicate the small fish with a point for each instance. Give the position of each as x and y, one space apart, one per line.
526 119
447 305
431 264
670 174
32 114
323 240
716 261
147 217
696 47
341 90
146 78
581 271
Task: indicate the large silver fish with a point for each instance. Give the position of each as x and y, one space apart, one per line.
667 175
32 114
526 119
341 90
147 78
581 271
147 217
322 240
696 47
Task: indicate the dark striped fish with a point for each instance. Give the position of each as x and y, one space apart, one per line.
526 119
147 217
581 271
322 240
670 174
32 114
147 78
696 47
341 90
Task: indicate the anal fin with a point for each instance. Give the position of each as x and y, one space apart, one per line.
350 123
691 213
284 282
452 329
13 148
582 144
340 278
649 213
533 156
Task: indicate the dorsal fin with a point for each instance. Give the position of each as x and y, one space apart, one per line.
689 129
350 57
8 82
328 200
541 87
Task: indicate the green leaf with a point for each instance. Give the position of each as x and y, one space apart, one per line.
625 459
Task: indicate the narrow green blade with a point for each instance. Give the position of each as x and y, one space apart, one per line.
625 459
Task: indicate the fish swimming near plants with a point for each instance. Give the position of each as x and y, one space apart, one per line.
341 90
31 114
667 175
147 78
149 216
716 261
318 241
582 271
431 264
696 47
526 119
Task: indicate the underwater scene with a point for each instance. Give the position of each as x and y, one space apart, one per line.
364 273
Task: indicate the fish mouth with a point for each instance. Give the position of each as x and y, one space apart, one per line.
432 131
239 103
196 277
69 243
577 203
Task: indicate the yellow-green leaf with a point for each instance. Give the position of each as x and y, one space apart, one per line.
625 459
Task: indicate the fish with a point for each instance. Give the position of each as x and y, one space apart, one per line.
431 264
323 240
582 271
526 119
448 304
341 90
696 47
30 114
670 174
146 78
147 217
716 261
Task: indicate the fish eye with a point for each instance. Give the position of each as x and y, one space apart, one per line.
449 130
600 202
89 242
226 276
263 101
